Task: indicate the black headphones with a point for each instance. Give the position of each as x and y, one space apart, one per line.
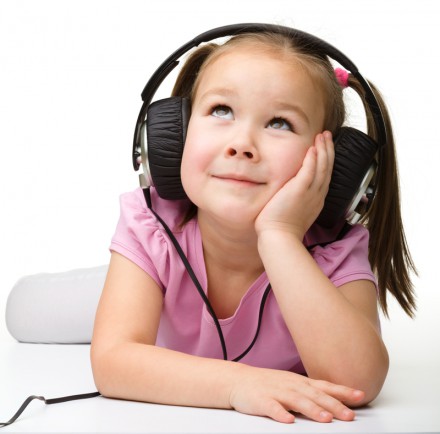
161 130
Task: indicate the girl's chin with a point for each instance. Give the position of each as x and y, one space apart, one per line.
238 210
237 216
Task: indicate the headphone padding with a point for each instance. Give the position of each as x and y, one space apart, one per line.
167 122
354 154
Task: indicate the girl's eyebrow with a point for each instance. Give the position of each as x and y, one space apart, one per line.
218 91
283 105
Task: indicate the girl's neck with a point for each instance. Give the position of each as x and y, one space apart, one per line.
232 262
233 249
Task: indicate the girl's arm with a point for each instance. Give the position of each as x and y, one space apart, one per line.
335 329
125 362
127 365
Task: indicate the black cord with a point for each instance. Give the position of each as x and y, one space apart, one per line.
29 399
189 270
260 317
199 288
202 294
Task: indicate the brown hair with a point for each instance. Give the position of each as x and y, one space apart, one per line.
389 254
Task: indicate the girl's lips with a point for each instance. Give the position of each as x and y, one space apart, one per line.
238 179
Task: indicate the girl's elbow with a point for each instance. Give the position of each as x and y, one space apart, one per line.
371 392
101 370
372 383
369 379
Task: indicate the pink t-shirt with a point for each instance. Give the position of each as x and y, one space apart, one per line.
185 323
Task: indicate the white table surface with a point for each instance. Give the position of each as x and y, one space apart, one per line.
409 402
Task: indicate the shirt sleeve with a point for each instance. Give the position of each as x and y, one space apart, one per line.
346 260
138 238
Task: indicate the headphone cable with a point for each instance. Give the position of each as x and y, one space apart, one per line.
199 288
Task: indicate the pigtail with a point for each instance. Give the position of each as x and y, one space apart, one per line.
388 249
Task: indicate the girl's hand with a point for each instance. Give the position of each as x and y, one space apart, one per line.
298 203
273 393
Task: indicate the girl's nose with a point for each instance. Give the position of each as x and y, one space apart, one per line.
232 152
243 146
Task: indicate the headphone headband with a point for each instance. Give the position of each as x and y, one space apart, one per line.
232 30
236 29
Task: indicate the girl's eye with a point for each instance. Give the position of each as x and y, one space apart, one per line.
222 111
280 124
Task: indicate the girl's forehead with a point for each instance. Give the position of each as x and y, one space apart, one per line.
242 62
240 51
246 73
247 50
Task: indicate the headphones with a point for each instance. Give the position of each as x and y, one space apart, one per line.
161 127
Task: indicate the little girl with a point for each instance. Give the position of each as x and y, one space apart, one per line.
256 168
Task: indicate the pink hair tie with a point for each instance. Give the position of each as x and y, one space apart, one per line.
342 77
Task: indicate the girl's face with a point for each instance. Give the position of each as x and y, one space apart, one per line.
253 117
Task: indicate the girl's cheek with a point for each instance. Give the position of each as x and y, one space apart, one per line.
185 166
289 166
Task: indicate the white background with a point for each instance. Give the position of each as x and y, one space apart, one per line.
71 73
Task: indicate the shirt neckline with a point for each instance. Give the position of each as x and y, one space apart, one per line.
258 286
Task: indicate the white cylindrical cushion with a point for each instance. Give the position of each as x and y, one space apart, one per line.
55 307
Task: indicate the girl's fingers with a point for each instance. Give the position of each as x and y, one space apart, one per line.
307 173
321 407
311 402
330 154
277 412
324 161
316 399
317 166
341 393
310 409
277 395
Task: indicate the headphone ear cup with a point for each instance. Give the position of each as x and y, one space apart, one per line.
167 123
354 155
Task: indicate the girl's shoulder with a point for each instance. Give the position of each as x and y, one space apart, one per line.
134 208
323 238
140 237
344 259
